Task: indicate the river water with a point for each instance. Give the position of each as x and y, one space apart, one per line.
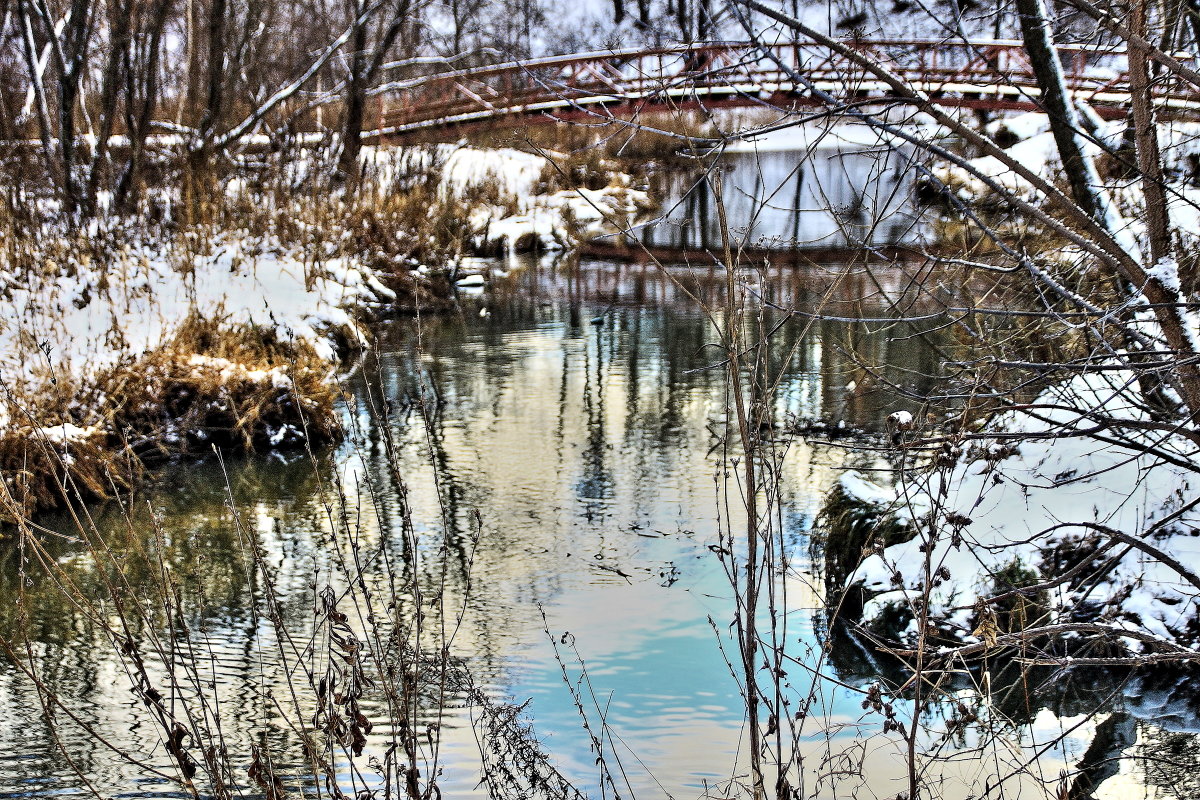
799 188
543 467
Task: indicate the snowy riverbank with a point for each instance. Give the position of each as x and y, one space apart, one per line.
512 200
124 348
1071 517
1086 524
129 341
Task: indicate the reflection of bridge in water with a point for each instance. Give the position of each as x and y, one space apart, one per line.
838 284
990 75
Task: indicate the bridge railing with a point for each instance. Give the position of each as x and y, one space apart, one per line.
953 72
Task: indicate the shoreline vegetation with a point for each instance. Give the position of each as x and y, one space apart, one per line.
139 338
1015 526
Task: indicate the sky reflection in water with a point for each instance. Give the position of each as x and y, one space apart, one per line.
573 429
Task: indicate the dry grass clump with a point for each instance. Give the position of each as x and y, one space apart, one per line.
238 388
43 469
234 387
389 224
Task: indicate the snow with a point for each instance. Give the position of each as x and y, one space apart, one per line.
66 432
228 371
1052 482
1166 272
81 317
1020 126
1038 153
460 169
856 487
502 190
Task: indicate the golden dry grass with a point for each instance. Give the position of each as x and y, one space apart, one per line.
213 384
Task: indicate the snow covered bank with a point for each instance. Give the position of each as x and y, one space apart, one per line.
118 347
1077 507
1084 510
1029 141
509 197
135 339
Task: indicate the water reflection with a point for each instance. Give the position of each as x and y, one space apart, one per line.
554 455
811 186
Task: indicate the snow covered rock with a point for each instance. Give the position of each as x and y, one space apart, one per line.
1045 497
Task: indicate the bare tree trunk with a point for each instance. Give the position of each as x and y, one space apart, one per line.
70 56
356 99
119 25
200 155
703 19
215 99
1191 10
363 70
1149 159
38 87
139 125
681 19
1064 122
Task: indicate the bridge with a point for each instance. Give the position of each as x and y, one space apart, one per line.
992 75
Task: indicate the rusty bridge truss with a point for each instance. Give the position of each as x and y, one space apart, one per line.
992 75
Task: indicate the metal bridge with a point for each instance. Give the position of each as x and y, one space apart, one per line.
991 75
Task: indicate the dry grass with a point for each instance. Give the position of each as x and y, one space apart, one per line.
40 473
233 387
213 385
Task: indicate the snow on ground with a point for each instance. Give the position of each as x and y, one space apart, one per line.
72 321
1035 149
503 189
1022 505
1038 153
86 316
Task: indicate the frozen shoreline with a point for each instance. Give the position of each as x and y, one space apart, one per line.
127 338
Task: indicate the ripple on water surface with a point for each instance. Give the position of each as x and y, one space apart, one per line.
583 457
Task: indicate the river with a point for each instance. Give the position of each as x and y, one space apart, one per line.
544 466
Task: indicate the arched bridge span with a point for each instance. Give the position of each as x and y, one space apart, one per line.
991 75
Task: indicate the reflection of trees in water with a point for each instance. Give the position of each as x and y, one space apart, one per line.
199 610
840 371
1170 761
1133 708
636 382
596 481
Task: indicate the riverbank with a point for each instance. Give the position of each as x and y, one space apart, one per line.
611 530
1057 514
1038 522
133 339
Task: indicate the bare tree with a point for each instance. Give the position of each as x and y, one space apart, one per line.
366 58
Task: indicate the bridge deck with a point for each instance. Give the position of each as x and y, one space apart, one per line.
982 74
